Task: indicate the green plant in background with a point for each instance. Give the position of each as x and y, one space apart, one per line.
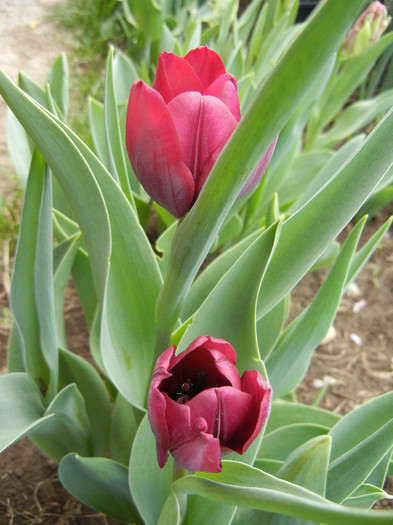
307 463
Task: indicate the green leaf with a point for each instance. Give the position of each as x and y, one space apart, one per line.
19 148
210 276
68 430
44 286
355 118
279 443
125 422
284 413
170 512
359 441
21 406
365 496
353 73
134 280
124 74
63 259
339 199
307 465
238 290
273 105
290 359
100 483
75 176
115 150
75 369
377 201
97 129
58 80
246 486
26 341
270 325
146 477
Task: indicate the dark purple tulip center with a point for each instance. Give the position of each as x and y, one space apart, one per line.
189 389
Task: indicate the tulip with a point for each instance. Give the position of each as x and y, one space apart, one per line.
367 29
199 407
176 130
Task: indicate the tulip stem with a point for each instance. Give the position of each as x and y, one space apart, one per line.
178 471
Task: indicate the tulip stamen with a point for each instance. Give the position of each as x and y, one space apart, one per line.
188 390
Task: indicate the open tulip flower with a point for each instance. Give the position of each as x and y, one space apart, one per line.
200 408
176 130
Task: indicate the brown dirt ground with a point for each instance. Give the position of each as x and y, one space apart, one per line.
356 360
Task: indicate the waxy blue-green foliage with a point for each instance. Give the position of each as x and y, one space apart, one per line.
309 464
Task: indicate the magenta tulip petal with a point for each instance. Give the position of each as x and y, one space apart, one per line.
259 170
175 75
201 454
224 88
155 151
199 408
254 384
204 124
206 63
224 409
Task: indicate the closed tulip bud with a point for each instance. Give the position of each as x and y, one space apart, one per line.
199 407
367 29
176 130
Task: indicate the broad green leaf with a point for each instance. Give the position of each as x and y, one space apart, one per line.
146 477
290 359
273 105
44 285
58 80
377 201
32 89
134 279
68 430
356 117
247 20
21 406
366 250
170 512
145 16
359 441
163 245
270 325
328 171
125 422
100 483
18 147
323 216
63 259
350 77
302 172
365 496
124 75
115 150
75 369
26 342
279 443
97 129
210 276
246 486
285 413
75 176
238 291
306 466
201 511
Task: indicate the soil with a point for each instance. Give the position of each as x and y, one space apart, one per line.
354 363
